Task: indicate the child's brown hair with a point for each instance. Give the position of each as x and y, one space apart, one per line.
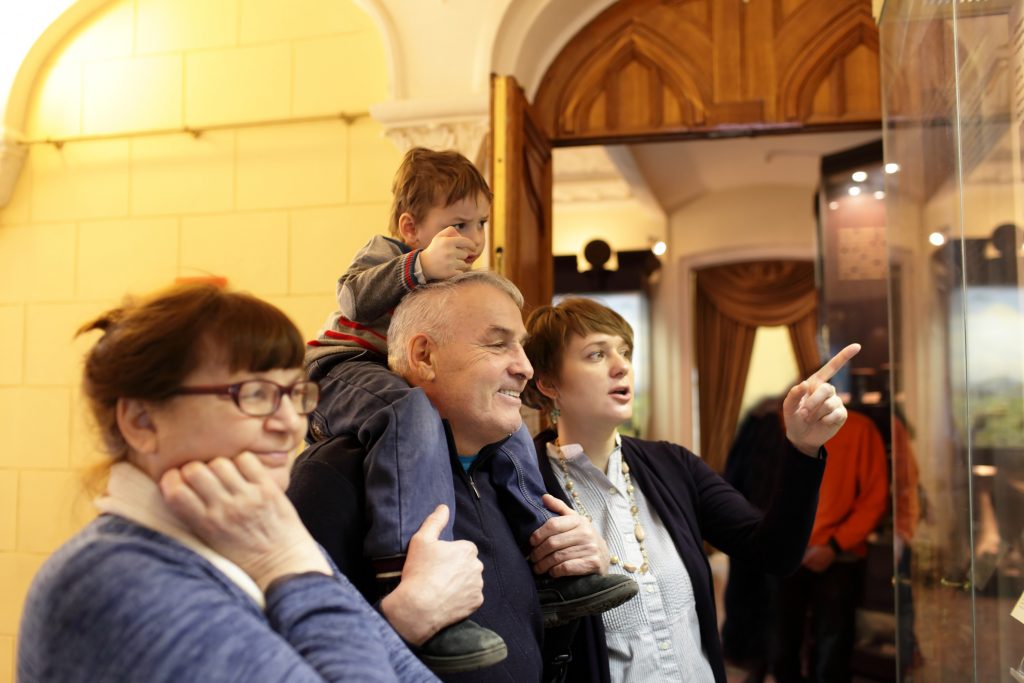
426 178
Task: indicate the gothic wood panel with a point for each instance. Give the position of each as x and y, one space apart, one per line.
671 67
522 182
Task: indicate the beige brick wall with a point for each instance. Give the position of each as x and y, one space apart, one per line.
277 210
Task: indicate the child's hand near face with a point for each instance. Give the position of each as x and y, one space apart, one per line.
446 255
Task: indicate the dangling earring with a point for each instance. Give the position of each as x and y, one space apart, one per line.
554 415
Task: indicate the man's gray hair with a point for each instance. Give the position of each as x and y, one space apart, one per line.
425 310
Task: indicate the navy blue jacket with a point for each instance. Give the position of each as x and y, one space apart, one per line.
697 506
327 489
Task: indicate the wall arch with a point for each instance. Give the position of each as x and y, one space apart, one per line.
17 99
533 32
392 45
57 24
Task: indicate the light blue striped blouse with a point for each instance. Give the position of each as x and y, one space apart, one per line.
655 636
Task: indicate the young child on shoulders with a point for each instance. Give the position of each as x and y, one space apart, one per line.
441 204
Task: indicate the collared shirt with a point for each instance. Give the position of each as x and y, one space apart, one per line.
656 635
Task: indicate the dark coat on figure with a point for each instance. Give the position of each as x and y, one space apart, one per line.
750 595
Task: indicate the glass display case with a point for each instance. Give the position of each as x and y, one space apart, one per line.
953 98
853 274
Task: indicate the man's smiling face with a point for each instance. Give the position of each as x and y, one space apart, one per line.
482 369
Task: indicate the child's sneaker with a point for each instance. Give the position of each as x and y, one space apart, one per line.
571 597
463 646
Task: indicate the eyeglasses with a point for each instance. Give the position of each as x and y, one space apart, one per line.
261 397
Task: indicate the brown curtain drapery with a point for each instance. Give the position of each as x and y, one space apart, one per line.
732 302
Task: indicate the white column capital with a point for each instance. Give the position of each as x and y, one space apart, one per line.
459 123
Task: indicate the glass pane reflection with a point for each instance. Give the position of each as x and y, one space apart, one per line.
952 92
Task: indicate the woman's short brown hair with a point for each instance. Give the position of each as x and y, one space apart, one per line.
150 346
427 178
549 328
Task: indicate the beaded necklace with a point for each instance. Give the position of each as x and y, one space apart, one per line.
638 530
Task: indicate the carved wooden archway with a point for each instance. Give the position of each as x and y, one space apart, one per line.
693 67
662 69
655 70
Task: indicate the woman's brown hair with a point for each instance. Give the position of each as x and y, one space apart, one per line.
150 346
548 330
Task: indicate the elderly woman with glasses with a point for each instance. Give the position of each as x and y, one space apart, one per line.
198 567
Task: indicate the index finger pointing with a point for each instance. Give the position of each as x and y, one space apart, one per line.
836 363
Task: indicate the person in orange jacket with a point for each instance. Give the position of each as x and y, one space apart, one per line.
852 500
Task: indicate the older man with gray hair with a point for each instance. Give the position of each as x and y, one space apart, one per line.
460 342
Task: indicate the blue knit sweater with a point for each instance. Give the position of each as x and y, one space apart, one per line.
120 602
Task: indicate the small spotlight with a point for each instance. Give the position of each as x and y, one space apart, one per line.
892 167
879 194
833 205
659 248
859 176
854 191
937 238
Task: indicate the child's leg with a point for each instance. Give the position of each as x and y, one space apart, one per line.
408 474
407 467
519 483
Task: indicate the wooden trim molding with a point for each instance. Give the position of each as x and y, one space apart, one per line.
823 61
671 67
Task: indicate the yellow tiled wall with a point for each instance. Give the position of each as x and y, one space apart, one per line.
278 210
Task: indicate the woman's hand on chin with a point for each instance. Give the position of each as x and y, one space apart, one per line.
235 507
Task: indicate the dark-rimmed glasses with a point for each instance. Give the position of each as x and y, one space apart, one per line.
261 397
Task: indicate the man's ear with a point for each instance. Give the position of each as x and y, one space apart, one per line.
422 358
136 425
407 228
545 387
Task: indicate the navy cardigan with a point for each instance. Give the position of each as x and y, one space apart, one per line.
697 506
